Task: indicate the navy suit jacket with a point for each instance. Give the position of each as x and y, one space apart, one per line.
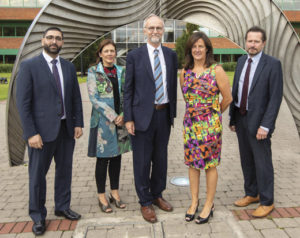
38 99
265 95
139 91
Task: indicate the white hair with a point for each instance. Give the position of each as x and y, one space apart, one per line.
150 16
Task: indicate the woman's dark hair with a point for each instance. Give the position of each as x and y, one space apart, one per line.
188 50
100 47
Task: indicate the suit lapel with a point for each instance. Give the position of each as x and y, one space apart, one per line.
147 62
46 69
168 66
65 73
258 70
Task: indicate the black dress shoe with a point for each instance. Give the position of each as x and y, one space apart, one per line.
39 228
201 220
69 214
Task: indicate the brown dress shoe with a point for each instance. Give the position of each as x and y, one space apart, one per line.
263 211
245 201
149 213
163 204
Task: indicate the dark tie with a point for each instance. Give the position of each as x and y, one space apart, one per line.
58 84
243 104
159 93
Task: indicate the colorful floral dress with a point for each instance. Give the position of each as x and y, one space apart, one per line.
202 124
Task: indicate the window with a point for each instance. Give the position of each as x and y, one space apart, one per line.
8 31
21 30
9 59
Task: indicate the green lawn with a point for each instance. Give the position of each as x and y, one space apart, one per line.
4 87
230 76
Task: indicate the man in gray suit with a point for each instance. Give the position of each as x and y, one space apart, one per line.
257 94
50 108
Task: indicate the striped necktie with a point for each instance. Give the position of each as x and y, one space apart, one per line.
159 93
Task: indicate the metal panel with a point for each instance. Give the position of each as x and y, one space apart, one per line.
84 21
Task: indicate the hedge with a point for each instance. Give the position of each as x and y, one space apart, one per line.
6 68
229 66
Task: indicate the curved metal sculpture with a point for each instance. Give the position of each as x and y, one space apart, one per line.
83 22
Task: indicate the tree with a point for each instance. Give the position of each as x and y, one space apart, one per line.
181 42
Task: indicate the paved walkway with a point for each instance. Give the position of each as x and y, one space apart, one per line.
14 221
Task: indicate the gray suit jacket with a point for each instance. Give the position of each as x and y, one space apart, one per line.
265 94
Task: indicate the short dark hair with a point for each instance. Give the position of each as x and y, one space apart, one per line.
53 28
257 29
189 60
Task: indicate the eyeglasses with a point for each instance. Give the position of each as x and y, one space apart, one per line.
57 38
152 29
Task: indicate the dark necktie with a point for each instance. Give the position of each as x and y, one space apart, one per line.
159 94
58 84
243 104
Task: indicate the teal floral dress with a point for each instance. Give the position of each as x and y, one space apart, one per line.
106 140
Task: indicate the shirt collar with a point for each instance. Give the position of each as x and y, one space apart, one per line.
151 48
256 58
48 58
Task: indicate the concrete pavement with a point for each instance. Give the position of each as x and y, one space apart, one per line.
284 222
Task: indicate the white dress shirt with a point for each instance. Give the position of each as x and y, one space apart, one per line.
163 68
48 58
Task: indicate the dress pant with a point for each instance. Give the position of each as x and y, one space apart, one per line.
39 162
256 161
150 152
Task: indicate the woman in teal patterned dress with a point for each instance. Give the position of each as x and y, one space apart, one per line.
108 137
201 82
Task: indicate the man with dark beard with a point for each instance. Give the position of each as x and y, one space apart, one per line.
257 94
50 108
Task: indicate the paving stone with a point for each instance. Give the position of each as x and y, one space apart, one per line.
246 225
97 234
274 233
8 235
253 234
293 232
285 222
67 234
263 224
220 227
52 234
25 235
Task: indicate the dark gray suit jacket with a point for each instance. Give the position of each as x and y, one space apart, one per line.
139 91
265 94
38 99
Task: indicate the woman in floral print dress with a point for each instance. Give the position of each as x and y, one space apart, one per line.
202 81
108 137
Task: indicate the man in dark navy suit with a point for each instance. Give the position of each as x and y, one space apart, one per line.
50 108
149 111
257 94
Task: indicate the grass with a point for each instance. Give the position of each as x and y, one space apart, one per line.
4 87
230 76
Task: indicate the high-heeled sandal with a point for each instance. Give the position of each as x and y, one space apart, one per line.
190 217
118 203
104 208
201 220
